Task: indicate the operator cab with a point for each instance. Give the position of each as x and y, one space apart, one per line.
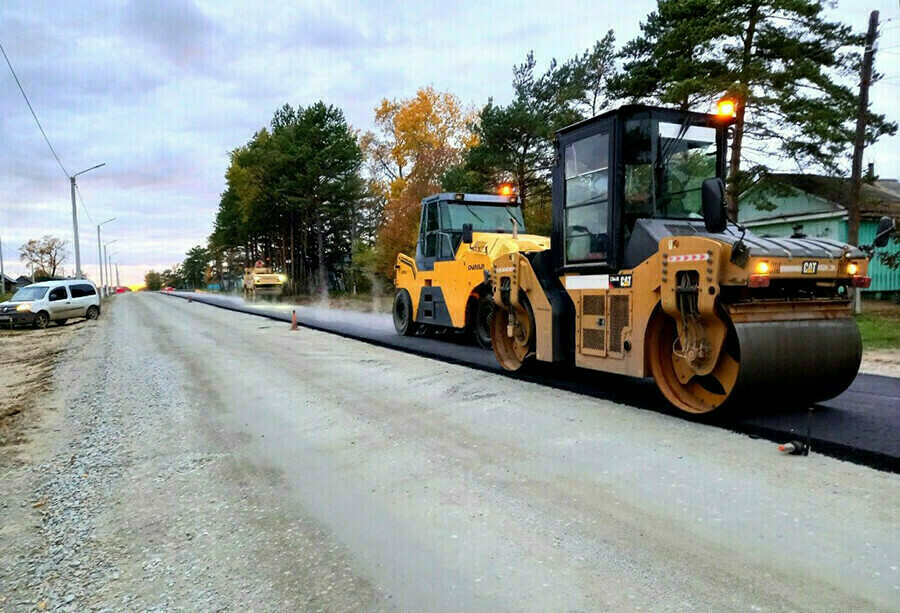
634 163
446 216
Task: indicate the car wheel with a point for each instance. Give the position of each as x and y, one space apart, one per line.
41 320
92 313
61 322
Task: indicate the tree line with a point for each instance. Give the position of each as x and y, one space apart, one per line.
331 207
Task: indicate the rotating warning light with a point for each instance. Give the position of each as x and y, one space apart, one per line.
725 107
505 189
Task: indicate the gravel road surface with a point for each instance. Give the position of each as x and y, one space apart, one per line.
860 425
209 460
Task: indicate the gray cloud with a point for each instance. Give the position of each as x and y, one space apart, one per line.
177 29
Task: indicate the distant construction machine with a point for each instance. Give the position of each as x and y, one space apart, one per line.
460 235
646 275
262 281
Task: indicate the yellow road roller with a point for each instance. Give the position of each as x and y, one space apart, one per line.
460 235
646 276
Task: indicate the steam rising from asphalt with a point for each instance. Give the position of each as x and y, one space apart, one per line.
320 313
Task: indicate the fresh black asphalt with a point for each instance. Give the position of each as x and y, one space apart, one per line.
860 425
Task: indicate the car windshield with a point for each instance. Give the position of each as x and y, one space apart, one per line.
29 293
483 217
665 171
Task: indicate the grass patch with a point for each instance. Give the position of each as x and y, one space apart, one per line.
5 297
879 325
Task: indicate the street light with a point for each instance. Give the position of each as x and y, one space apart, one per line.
78 274
100 255
106 260
109 270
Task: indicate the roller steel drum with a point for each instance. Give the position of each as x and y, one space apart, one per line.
803 361
771 362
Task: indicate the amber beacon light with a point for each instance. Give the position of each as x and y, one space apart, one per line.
725 107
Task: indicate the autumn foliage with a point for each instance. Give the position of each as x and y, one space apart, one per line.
417 140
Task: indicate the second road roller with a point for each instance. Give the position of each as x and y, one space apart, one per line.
646 276
444 287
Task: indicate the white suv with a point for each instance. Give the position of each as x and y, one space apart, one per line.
40 303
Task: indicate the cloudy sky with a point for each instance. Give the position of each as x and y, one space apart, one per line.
161 90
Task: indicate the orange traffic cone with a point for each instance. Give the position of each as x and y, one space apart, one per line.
294 321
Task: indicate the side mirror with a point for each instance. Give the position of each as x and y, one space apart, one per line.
467 233
886 227
713 195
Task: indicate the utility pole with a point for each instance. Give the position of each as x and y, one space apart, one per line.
100 259
100 256
75 229
2 271
78 274
106 262
118 284
109 269
860 143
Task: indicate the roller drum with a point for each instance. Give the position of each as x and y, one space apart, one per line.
803 361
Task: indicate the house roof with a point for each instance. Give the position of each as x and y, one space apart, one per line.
877 198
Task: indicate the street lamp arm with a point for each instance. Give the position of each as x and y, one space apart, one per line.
87 170
107 221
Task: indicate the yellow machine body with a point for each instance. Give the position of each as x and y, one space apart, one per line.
641 280
262 281
444 285
459 278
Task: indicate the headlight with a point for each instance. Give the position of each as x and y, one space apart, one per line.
282 278
852 268
24 307
762 268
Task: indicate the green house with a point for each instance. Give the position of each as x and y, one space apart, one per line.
808 205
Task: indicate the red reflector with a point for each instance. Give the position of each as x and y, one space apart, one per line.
758 281
863 282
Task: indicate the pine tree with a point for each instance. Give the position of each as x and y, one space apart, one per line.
783 63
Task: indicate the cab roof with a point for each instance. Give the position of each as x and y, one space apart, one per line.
472 198
632 109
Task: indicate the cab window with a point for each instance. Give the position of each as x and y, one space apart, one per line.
587 198
57 293
431 226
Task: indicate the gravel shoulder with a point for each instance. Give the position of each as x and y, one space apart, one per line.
881 362
207 460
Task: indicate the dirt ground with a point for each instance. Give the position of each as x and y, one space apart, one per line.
28 359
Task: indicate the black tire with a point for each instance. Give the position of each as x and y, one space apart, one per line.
481 328
403 314
41 320
61 322
93 312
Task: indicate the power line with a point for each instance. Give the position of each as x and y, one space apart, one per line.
10 251
33 114
83 207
